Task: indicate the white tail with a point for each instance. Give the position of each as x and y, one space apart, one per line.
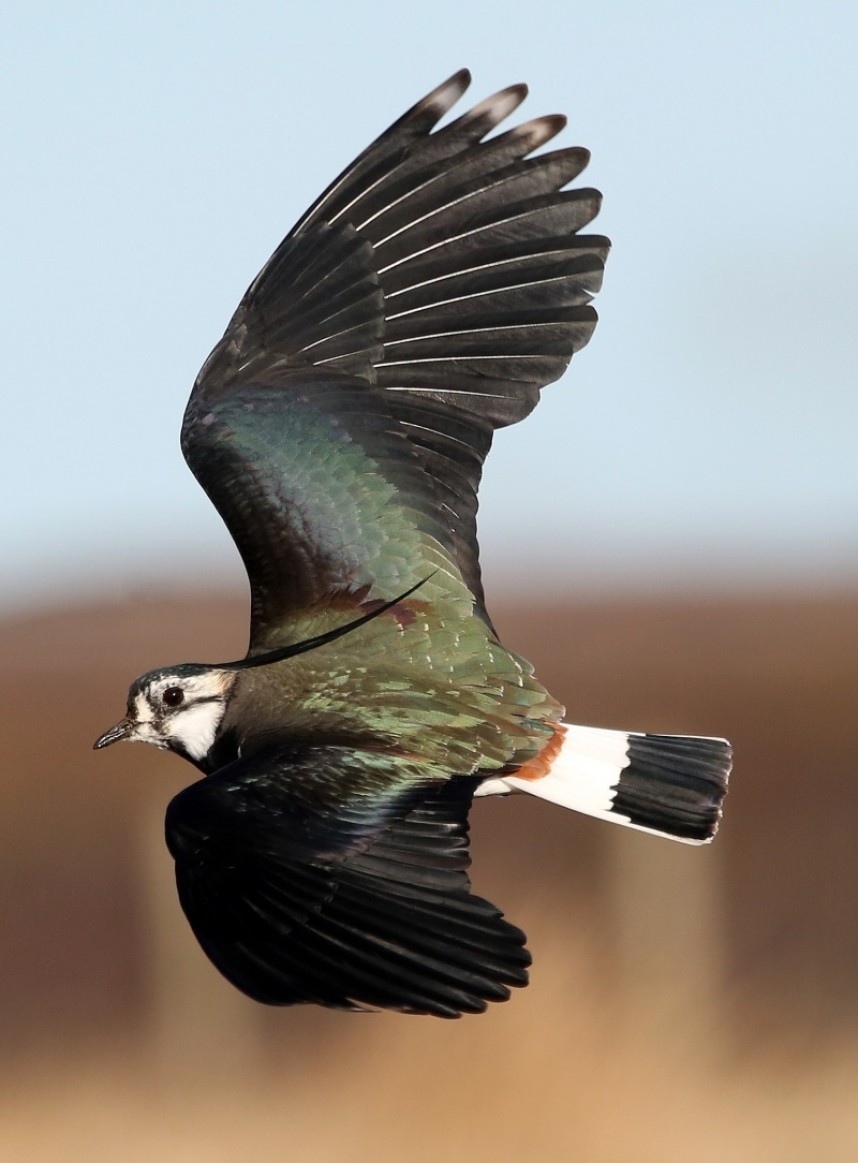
670 785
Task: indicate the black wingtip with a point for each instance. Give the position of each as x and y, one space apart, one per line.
442 98
497 107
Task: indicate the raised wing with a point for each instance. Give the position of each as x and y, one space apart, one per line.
362 902
436 286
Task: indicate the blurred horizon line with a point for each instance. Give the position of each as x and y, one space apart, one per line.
664 578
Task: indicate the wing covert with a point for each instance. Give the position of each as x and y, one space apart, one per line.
326 498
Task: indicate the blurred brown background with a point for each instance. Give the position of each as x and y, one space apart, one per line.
685 1004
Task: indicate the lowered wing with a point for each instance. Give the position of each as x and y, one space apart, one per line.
362 902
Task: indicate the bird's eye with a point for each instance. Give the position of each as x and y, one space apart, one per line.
173 696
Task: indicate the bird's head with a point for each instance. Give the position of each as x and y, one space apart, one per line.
178 708
181 708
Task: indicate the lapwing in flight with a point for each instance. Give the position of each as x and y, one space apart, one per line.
340 428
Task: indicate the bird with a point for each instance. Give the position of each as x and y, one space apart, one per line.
339 428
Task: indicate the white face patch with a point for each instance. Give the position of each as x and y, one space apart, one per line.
192 723
195 726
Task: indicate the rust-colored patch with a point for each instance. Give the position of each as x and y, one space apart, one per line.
403 615
356 600
542 763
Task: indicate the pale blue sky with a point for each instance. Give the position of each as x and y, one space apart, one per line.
155 154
